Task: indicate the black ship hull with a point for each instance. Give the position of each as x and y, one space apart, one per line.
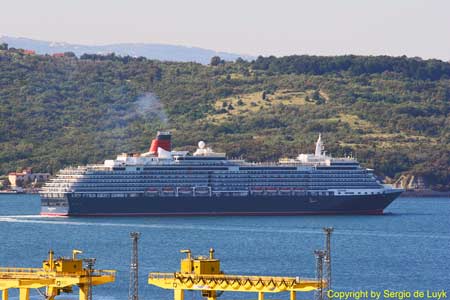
69 205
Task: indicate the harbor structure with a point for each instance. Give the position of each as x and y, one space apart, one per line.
320 254
327 259
57 275
133 290
203 273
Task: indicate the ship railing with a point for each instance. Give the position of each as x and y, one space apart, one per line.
104 273
230 191
230 278
6 272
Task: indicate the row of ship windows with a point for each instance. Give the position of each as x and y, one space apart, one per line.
131 181
216 179
218 183
296 177
242 173
220 187
199 170
304 184
358 171
236 188
53 195
215 171
100 195
268 183
242 193
227 178
226 183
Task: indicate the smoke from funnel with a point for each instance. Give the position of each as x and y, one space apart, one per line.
149 104
114 130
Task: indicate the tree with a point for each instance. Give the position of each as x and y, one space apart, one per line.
69 54
316 95
216 60
263 95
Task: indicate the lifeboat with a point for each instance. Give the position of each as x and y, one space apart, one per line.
257 190
152 190
202 190
299 191
285 190
184 191
168 190
271 190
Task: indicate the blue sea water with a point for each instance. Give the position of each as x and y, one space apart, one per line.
408 248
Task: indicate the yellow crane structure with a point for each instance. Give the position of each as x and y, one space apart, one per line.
204 274
410 182
56 275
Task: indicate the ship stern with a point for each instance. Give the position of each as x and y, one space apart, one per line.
54 205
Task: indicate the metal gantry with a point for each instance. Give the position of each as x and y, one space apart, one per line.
328 231
90 268
56 276
320 254
204 274
133 290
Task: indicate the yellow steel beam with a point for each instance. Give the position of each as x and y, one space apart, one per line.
178 294
84 291
24 294
26 279
32 283
292 295
236 283
58 282
51 293
37 278
5 294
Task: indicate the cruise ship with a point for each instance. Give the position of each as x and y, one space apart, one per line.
163 182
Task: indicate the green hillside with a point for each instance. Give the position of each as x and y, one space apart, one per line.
392 113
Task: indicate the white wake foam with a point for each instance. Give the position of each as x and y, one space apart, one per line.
36 219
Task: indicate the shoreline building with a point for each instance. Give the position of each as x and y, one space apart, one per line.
26 176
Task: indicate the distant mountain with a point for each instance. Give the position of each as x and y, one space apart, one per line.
151 51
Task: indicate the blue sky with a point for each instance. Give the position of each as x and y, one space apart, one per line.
282 27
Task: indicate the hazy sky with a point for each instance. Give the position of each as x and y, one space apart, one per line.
256 27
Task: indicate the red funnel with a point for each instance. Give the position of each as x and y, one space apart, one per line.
163 140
